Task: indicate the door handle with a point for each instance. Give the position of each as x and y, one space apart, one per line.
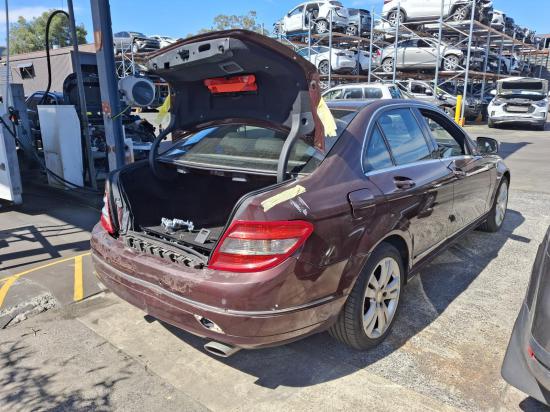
403 183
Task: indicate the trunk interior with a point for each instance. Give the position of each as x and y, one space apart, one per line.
205 198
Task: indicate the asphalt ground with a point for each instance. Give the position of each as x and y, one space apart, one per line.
444 352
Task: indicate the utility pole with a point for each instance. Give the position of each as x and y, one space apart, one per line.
110 101
82 97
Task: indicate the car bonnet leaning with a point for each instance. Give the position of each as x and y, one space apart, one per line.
238 75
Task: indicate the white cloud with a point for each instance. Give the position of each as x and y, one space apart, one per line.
27 12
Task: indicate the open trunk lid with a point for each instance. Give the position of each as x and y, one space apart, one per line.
519 85
284 87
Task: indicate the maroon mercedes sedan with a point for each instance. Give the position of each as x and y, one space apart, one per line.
271 217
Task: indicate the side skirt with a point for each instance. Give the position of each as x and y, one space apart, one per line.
442 247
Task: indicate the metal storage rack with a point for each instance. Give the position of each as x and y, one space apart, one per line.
466 34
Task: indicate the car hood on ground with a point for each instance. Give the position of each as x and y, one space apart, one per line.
281 76
517 85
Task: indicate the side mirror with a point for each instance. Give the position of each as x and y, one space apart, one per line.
487 145
493 92
428 92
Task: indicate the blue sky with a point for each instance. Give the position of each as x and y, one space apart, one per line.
178 18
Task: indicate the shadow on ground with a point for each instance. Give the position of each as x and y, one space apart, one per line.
320 358
26 387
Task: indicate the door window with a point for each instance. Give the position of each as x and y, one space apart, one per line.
333 94
377 155
353 93
450 140
404 135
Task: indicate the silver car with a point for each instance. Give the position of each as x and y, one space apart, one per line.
417 53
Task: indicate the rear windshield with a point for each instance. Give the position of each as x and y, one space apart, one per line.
252 148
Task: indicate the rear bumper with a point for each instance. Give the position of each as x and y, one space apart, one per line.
243 328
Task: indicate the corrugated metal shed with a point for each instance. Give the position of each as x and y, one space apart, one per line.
30 69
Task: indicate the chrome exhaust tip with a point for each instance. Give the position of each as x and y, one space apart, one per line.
220 350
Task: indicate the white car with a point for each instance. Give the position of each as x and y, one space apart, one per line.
341 61
164 40
519 100
414 10
298 19
363 91
499 20
416 53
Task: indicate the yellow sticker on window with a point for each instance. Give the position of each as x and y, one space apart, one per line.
282 197
326 118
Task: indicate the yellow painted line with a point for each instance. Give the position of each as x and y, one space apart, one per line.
47 265
5 287
10 280
78 288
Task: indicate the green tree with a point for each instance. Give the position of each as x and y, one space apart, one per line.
30 35
226 22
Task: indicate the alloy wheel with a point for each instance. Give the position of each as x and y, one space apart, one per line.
387 65
501 203
461 14
351 30
395 16
321 26
450 63
324 68
381 297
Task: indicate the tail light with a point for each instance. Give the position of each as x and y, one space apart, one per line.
340 54
106 221
253 246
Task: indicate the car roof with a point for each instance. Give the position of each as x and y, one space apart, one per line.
350 104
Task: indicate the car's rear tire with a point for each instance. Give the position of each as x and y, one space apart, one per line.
371 308
491 124
387 65
324 67
498 211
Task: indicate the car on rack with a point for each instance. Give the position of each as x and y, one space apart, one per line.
361 91
164 41
422 10
263 223
519 100
420 54
136 42
473 105
316 15
326 59
424 91
526 364
359 21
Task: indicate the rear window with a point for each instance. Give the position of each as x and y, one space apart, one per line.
373 93
252 148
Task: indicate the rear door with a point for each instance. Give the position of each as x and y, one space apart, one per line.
472 173
427 53
417 186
